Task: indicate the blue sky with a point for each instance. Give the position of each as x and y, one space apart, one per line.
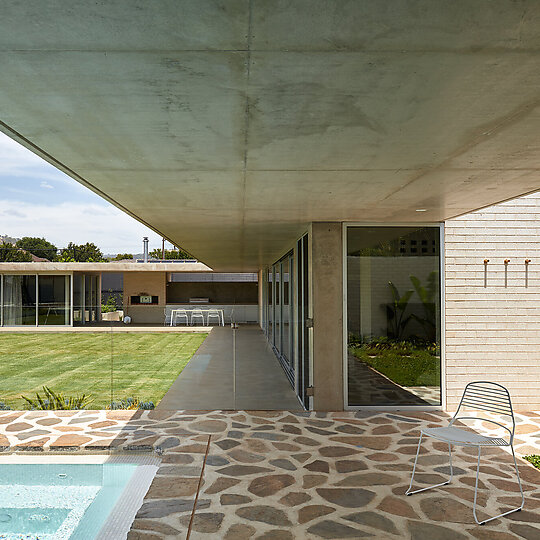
36 199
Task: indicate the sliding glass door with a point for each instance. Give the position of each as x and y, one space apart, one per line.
54 300
286 315
281 310
19 300
30 300
393 316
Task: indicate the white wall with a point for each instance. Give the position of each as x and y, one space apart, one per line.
493 328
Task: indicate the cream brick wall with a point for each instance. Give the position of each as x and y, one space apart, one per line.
152 283
492 315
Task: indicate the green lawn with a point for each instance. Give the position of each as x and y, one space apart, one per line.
143 365
412 366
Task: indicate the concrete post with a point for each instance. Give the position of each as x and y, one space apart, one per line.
260 295
327 283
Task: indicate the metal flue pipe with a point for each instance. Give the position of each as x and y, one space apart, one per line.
145 249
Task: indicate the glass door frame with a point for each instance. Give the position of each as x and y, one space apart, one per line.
303 311
69 291
346 405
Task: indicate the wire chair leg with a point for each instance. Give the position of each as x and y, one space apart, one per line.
451 466
519 480
409 492
476 490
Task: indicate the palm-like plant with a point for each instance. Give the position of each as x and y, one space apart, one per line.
52 401
396 312
427 297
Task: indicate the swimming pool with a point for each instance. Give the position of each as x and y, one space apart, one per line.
71 497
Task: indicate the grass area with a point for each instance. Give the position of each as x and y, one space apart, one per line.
406 365
534 459
143 365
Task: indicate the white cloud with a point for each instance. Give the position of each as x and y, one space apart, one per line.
109 228
72 214
19 162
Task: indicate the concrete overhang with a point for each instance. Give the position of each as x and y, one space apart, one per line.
90 267
228 126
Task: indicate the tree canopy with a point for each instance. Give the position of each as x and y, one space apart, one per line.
88 252
171 254
11 253
122 257
38 246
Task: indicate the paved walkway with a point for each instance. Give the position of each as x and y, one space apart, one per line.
222 376
296 475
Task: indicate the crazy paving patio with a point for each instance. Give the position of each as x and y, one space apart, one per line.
294 475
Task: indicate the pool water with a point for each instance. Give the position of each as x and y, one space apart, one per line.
56 501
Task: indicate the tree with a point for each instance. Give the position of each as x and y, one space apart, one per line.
11 253
38 246
171 254
88 252
122 257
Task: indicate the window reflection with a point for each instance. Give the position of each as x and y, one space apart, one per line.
393 316
54 300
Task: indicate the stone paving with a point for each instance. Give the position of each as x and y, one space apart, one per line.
287 475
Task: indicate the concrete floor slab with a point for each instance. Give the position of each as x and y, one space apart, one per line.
232 373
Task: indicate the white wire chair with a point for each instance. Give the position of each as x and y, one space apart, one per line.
482 396
197 314
180 314
213 314
167 320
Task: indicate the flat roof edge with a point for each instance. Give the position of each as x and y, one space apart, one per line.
43 267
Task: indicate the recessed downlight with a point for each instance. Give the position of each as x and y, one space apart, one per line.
421 210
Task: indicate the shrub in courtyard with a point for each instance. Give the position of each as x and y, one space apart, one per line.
4 406
52 401
130 403
109 306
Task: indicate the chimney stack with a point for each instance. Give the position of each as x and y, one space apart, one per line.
145 248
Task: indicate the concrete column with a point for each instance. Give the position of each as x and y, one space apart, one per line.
260 294
327 287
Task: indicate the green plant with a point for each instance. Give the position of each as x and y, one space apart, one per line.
395 312
534 459
52 401
4 406
427 297
130 403
109 306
